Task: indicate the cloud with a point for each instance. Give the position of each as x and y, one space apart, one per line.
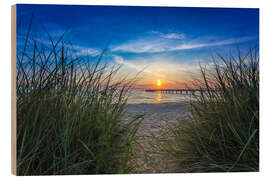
130 64
158 68
157 65
170 35
174 36
83 51
76 49
217 43
140 46
155 45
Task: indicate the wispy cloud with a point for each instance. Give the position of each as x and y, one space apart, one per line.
76 49
141 46
154 45
157 68
170 35
138 67
216 43
174 36
83 51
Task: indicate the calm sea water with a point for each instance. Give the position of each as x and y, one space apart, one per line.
140 96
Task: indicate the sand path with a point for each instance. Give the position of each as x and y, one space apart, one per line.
146 158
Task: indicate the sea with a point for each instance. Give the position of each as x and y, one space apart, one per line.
141 96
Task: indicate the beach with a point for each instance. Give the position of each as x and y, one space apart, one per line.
161 90
156 117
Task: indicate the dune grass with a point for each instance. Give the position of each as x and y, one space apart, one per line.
69 113
222 132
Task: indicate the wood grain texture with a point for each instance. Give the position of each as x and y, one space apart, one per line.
13 90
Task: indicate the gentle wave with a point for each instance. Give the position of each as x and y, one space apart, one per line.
139 97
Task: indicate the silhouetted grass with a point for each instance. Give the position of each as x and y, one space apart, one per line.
222 132
69 113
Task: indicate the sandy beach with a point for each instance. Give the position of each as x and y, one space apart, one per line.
157 117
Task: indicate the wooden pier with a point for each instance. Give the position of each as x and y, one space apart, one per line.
175 91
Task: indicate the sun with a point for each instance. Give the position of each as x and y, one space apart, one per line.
159 83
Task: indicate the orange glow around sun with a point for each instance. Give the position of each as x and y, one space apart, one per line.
159 83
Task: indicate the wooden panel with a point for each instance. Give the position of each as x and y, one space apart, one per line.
13 90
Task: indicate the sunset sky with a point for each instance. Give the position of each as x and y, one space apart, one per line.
167 43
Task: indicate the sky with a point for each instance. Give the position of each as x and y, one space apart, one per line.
162 43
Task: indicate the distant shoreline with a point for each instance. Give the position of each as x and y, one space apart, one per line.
163 103
142 97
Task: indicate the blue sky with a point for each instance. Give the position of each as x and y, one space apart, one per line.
168 41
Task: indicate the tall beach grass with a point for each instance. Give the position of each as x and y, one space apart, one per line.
222 132
69 113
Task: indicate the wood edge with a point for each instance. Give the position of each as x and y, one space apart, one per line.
13 91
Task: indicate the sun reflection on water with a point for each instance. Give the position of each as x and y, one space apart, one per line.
158 97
